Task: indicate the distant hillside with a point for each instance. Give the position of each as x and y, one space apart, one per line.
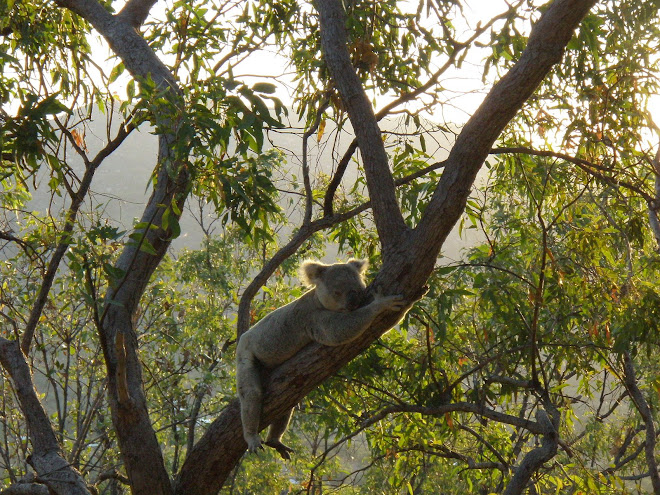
121 185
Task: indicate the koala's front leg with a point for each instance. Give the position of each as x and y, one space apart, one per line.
337 328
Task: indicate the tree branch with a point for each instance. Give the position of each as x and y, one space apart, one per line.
545 48
26 489
590 168
139 59
643 408
47 458
467 407
8 236
139 446
329 197
135 12
538 456
387 214
307 218
56 258
69 224
655 204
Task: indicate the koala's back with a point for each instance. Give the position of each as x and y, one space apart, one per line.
282 333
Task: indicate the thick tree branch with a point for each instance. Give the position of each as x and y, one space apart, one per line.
387 214
135 12
138 443
545 48
26 489
139 59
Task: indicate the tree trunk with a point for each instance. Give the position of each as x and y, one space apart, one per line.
139 446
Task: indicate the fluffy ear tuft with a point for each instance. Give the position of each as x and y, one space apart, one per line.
359 265
311 271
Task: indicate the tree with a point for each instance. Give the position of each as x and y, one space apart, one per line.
211 128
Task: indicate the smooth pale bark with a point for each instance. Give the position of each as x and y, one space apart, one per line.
411 254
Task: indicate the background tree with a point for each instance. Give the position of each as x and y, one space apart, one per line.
549 314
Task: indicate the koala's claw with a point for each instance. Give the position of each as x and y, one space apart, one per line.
390 303
284 450
254 444
396 303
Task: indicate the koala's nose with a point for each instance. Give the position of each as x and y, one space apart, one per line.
354 299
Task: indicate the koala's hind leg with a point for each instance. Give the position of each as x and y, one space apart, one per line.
277 429
248 381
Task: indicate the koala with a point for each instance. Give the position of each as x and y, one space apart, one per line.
329 314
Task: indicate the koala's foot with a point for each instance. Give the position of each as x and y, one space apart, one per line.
254 443
282 449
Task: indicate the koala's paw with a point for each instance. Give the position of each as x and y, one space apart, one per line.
284 450
254 444
390 303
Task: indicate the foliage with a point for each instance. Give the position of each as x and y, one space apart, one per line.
540 315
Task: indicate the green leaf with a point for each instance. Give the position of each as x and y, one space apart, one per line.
116 71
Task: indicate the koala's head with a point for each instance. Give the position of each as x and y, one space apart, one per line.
339 287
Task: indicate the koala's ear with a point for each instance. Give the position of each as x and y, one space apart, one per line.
359 266
311 271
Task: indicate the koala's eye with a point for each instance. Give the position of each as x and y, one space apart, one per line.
337 293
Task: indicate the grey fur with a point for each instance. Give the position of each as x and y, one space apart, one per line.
328 314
